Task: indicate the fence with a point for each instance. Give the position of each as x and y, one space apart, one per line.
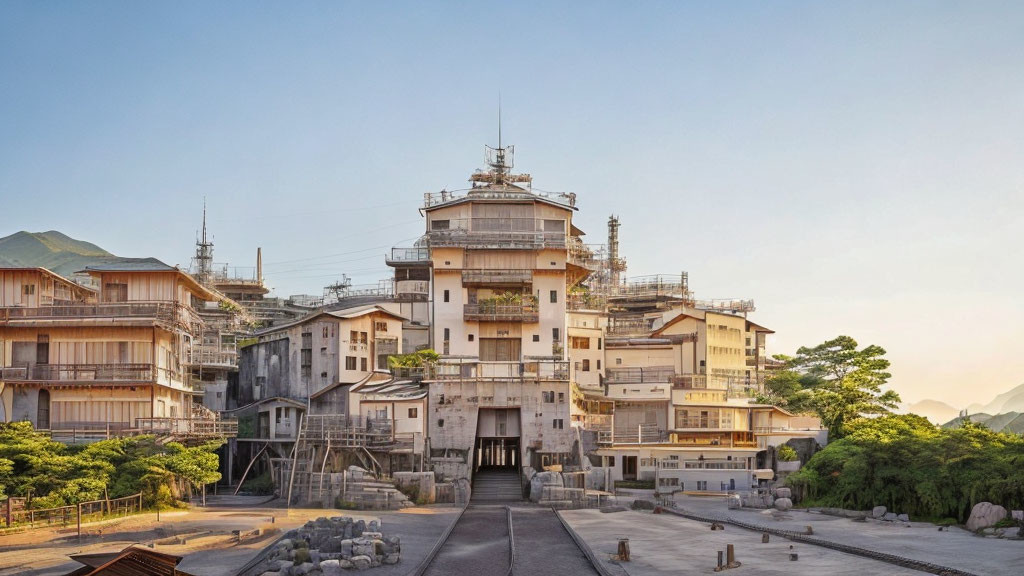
16 514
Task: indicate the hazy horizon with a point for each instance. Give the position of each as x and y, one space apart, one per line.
855 169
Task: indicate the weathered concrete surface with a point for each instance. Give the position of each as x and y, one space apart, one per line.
661 544
956 548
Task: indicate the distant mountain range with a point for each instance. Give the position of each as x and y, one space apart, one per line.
1005 411
54 251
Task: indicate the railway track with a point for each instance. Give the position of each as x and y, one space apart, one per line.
516 541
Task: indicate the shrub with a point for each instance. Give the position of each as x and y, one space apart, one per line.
786 453
262 485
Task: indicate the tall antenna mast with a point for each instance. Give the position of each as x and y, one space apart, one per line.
499 120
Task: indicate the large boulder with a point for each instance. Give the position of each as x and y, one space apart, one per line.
783 493
331 567
783 504
734 501
542 479
889 517
361 562
878 512
985 514
903 517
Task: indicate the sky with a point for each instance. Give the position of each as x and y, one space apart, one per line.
855 168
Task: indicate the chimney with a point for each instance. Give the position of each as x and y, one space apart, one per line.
259 265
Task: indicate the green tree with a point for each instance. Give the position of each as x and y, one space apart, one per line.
835 380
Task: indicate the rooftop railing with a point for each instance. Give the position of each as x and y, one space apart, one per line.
501 313
630 375
435 198
485 370
82 373
166 313
497 276
409 255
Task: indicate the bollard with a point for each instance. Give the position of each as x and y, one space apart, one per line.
764 538
730 557
624 549
721 565
793 556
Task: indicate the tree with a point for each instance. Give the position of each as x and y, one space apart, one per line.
838 382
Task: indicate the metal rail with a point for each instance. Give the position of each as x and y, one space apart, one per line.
511 543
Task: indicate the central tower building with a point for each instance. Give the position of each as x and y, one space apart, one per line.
502 259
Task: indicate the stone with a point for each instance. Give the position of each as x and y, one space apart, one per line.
301 569
361 562
639 504
889 517
287 544
346 548
358 528
345 564
363 549
1017 515
903 517
331 546
1011 532
985 514
330 567
734 502
391 545
783 493
878 511
542 479
783 504
391 559
372 535
347 531
373 526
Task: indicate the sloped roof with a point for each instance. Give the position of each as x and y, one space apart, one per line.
132 561
154 265
343 314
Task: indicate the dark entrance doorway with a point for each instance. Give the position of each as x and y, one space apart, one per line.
497 453
43 411
629 467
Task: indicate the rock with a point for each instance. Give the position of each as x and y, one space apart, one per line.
985 514
373 526
642 505
542 479
1017 515
903 517
391 559
878 511
363 549
889 517
331 567
347 531
287 544
331 546
361 562
783 493
734 502
358 528
345 564
391 545
301 569
346 548
783 504
1011 532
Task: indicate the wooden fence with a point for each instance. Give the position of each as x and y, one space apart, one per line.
17 514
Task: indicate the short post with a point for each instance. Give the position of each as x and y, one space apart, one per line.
79 521
624 549
730 555
721 562
764 538
7 512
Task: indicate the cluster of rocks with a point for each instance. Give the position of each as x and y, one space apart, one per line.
327 546
548 487
882 513
364 490
783 499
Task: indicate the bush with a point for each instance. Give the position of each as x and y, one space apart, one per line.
637 484
345 504
301 556
262 485
786 453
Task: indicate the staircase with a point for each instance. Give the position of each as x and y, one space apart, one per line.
496 486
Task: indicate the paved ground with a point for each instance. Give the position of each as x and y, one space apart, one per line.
544 547
956 548
210 548
661 544
477 545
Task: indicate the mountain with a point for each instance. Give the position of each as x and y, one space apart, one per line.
935 411
1007 422
54 251
1010 401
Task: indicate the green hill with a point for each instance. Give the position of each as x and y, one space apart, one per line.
52 250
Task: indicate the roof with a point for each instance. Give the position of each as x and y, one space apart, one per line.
266 400
132 561
758 328
343 314
502 193
675 320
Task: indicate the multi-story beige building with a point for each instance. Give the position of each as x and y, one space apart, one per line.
92 362
501 262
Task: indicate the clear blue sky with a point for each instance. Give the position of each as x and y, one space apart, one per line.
855 168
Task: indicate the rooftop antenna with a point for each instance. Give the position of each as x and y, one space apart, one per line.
499 120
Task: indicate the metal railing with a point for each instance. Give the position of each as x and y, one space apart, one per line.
725 305
187 427
640 434
703 423
629 326
497 276
483 370
82 372
414 287
409 255
653 287
501 313
213 355
435 198
342 430
16 513
165 312
638 375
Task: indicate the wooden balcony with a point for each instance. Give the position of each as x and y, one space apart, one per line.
501 313
639 375
145 373
477 370
186 428
497 277
163 313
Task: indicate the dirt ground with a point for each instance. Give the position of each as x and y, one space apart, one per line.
202 535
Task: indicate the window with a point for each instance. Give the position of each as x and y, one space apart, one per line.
579 342
350 362
447 334
554 296
548 397
362 338
219 394
561 397
439 225
556 335
599 364
618 361
586 365
28 289
382 413
536 337
668 482
362 364
277 415
380 326
598 343
440 423
556 423
702 484
326 331
413 412
447 296
353 336
470 337
115 293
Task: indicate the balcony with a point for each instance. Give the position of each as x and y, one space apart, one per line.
213 356
501 313
168 314
703 423
82 373
477 370
185 428
637 391
653 288
497 277
408 257
386 346
497 233
629 326
412 289
637 375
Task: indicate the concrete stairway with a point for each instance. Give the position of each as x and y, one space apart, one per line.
496 486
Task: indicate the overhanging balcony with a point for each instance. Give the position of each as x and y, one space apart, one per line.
168 314
501 313
408 257
631 375
497 277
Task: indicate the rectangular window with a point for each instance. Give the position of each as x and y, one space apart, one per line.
598 343
579 342
115 293
599 364
556 423
536 337
554 296
277 415
362 338
548 397
618 361
350 362
28 289
470 337
702 484
362 364
439 224
561 397
413 412
353 336
556 335
380 326
447 296
586 365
